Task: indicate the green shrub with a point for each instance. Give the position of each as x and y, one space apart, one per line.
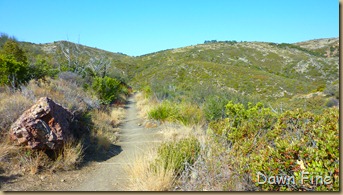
301 141
42 68
214 108
283 145
107 89
247 122
12 72
332 90
219 127
13 64
175 155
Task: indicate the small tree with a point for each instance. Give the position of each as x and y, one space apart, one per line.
13 64
4 37
11 49
12 72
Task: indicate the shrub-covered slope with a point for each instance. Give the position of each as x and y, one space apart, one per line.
268 71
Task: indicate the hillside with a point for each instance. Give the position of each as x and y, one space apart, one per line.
326 47
268 71
261 71
78 56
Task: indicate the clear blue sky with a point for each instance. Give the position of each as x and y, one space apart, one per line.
137 27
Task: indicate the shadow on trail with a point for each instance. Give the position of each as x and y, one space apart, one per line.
92 154
9 179
127 103
82 126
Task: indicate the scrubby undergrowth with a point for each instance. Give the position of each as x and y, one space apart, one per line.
251 146
94 127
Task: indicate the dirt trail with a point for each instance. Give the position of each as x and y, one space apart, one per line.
110 175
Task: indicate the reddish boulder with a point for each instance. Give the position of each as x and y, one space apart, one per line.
46 125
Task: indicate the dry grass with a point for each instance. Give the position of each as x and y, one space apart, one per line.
12 105
101 119
117 115
103 141
21 160
172 132
105 123
144 105
70 156
34 162
68 94
212 170
145 177
5 149
104 129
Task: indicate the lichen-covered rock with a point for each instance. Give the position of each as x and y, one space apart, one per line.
46 125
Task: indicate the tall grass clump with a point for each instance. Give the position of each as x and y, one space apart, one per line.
174 155
70 156
184 113
164 111
145 177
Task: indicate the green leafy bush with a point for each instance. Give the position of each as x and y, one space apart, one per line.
11 49
41 68
12 72
248 122
175 155
107 89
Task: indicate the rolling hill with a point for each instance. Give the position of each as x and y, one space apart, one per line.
289 74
